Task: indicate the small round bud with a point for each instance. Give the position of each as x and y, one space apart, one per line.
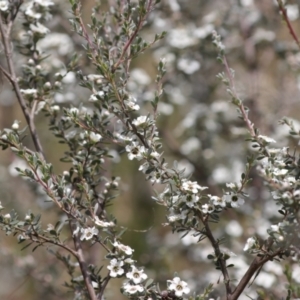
55 108
15 126
47 85
66 173
31 62
7 217
58 76
114 184
57 84
38 67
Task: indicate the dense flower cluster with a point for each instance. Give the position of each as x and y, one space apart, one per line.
113 118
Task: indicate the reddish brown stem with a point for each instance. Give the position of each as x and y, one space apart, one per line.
287 21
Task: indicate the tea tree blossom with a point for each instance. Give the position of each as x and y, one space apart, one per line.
250 244
123 248
218 201
95 137
4 4
115 268
7 217
140 121
74 111
103 223
233 200
29 92
191 200
178 286
109 110
15 125
88 233
96 97
133 289
266 139
192 187
135 151
137 276
207 208
131 104
39 29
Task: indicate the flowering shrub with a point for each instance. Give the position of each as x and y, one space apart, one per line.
104 111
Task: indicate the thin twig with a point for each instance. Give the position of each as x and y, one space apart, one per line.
132 37
11 75
103 286
257 263
218 253
241 107
82 262
287 21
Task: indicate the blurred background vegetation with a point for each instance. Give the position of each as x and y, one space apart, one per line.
199 129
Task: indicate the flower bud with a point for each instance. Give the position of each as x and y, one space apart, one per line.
15 126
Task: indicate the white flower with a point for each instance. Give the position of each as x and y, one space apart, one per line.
133 289
31 12
141 120
207 208
95 137
58 44
135 151
95 97
266 139
128 260
280 172
76 231
126 249
102 223
191 200
154 154
50 227
88 233
192 186
173 218
115 268
275 228
4 5
29 92
144 167
55 108
296 194
217 201
188 66
181 38
234 200
74 111
250 244
131 104
180 287
292 11
39 29
44 3
17 163
7 217
15 126
137 276
230 185
95 77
